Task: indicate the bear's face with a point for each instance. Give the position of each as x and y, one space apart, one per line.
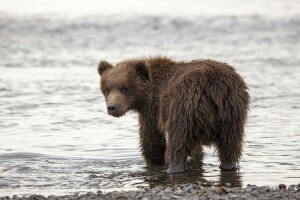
124 86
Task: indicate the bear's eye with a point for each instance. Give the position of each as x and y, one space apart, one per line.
106 91
124 90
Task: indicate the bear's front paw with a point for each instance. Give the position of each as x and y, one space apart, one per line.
176 167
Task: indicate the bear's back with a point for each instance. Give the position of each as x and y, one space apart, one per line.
212 70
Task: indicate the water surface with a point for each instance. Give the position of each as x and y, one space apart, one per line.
56 137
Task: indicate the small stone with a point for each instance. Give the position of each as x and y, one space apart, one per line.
165 198
179 192
194 192
255 193
175 197
282 186
140 196
248 189
166 191
154 190
221 190
159 188
122 196
228 184
291 189
89 194
233 196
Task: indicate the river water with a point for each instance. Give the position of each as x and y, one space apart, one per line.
56 137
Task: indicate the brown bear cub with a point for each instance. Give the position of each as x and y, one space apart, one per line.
181 105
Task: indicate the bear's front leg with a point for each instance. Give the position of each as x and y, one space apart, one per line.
152 142
177 166
153 151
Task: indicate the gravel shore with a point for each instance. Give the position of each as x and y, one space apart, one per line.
182 191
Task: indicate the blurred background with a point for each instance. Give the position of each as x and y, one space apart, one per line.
56 137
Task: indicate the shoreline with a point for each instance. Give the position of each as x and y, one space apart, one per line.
180 191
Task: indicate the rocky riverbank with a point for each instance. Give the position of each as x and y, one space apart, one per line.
182 191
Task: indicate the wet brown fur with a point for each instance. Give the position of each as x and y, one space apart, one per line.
182 106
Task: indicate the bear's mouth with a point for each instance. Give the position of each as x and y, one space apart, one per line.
119 113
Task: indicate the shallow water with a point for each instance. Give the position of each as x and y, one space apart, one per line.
56 137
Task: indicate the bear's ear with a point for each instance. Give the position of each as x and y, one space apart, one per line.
103 66
141 68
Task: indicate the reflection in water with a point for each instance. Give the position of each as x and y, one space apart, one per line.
157 176
233 177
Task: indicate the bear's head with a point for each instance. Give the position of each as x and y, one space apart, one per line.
124 86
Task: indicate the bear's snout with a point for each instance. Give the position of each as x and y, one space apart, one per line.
111 108
115 110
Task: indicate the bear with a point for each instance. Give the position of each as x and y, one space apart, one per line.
182 106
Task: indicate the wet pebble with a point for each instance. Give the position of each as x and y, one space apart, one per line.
166 191
179 192
282 186
183 191
221 190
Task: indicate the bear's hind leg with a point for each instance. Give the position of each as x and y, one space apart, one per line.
230 151
181 102
178 137
176 153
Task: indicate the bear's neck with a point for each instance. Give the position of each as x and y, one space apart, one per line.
161 70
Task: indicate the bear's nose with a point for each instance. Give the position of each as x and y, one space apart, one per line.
111 108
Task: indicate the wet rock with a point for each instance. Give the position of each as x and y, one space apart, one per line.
175 197
140 196
233 196
122 196
89 194
249 189
282 186
179 192
255 193
165 192
159 188
221 190
186 189
145 189
193 192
